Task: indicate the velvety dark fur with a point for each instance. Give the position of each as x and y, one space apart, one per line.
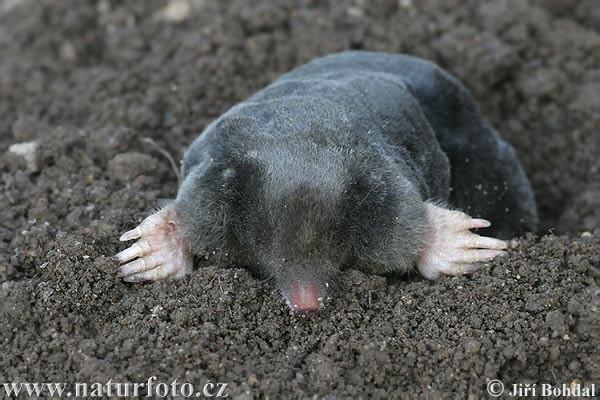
330 166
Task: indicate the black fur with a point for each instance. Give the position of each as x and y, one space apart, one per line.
330 165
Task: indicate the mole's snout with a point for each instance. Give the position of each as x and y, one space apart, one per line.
305 297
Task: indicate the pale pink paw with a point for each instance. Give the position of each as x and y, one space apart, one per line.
451 248
161 251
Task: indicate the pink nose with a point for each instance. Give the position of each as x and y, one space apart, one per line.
305 297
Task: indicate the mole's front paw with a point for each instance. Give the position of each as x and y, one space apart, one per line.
161 252
451 248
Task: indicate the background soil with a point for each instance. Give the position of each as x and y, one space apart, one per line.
89 80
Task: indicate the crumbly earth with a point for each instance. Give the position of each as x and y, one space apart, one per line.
89 80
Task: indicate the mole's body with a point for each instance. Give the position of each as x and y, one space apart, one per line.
355 159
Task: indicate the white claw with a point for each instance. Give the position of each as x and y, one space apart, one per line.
451 248
138 249
161 253
473 223
478 255
133 267
130 235
484 242
129 253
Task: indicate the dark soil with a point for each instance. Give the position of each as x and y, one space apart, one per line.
90 80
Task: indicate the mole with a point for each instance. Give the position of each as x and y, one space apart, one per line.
374 161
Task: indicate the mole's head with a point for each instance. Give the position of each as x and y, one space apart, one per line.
288 212
299 215
302 243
